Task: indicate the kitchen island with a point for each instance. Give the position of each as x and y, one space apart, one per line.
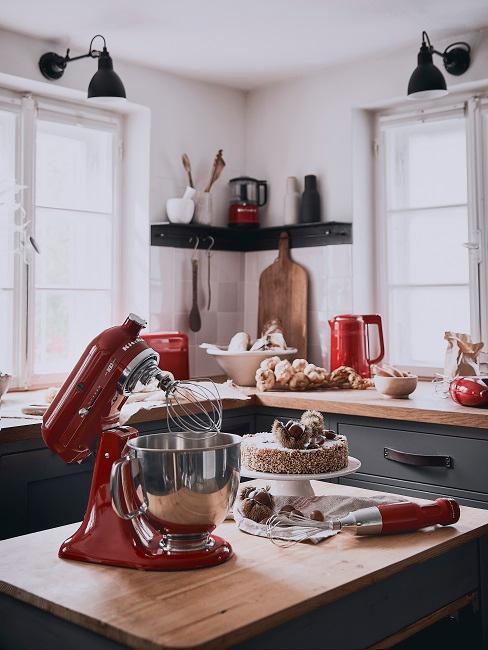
424 446
346 592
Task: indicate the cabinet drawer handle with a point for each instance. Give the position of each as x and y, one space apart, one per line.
420 460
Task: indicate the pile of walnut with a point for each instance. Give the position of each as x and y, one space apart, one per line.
275 373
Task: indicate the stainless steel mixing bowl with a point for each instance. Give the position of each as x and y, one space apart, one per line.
182 483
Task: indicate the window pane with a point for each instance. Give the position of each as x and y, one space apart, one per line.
8 122
66 321
418 318
76 249
6 331
73 167
426 164
425 246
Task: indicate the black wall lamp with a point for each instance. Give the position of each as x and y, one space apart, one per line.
427 81
105 83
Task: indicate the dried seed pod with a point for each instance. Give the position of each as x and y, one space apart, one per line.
246 491
313 421
292 436
263 497
251 509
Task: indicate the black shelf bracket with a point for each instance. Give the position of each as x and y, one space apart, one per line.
256 239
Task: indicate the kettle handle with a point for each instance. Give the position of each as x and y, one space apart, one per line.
264 185
375 319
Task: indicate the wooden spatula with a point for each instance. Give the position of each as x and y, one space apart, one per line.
283 294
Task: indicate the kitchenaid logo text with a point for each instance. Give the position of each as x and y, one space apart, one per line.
127 346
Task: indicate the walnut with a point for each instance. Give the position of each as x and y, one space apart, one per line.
269 364
299 364
292 435
313 421
316 374
283 372
299 381
255 511
265 379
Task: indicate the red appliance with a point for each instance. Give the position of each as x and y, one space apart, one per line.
85 412
350 344
172 348
247 196
405 517
470 391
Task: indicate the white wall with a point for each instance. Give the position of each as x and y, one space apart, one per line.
187 116
304 125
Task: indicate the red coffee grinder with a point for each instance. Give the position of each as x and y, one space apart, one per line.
247 196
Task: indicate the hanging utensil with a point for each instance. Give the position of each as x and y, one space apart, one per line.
209 255
187 167
194 318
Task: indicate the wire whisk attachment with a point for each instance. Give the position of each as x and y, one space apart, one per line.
192 406
290 529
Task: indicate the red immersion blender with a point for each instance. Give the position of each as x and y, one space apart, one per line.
403 517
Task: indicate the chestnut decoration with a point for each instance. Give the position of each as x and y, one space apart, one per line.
246 491
316 515
255 511
286 509
330 435
263 497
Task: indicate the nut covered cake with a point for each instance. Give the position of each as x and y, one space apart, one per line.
301 447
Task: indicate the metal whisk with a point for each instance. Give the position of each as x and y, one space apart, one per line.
295 528
192 406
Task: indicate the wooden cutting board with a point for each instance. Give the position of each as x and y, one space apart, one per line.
283 294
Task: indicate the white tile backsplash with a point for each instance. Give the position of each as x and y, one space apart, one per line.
235 290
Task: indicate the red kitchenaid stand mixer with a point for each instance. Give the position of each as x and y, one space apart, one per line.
86 411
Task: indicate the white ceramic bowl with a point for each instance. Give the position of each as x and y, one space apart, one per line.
241 366
180 210
399 387
4 383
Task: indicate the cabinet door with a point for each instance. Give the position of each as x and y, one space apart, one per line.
38 490
238 424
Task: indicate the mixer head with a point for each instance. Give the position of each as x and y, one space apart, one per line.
107 372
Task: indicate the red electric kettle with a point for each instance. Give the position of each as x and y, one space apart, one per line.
349 342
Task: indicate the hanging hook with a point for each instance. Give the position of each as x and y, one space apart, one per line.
195 247
212 242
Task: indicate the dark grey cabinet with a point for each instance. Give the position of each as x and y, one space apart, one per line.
38 490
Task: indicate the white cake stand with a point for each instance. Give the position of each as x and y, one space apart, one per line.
298 485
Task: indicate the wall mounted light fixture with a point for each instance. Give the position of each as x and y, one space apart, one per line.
427 81
105 83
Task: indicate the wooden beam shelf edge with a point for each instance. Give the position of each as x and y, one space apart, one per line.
256 239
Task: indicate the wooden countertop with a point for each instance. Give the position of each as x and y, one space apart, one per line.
260 587
423 406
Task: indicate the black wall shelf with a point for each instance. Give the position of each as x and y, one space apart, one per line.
256 239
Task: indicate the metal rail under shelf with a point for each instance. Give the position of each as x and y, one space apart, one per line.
256 239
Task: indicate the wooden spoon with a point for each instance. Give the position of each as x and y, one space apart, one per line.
195 320
187 167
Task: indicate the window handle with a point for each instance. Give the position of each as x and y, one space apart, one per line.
471 245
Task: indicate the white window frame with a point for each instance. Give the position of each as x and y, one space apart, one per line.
477 207
27 106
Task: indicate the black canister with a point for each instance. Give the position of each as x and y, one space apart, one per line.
310 205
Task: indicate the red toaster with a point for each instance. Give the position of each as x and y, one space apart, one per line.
470 391
172 348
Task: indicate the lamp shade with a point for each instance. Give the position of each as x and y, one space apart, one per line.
427 81
105 83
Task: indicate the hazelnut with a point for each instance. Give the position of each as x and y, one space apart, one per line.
316 515
297 513
286 509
